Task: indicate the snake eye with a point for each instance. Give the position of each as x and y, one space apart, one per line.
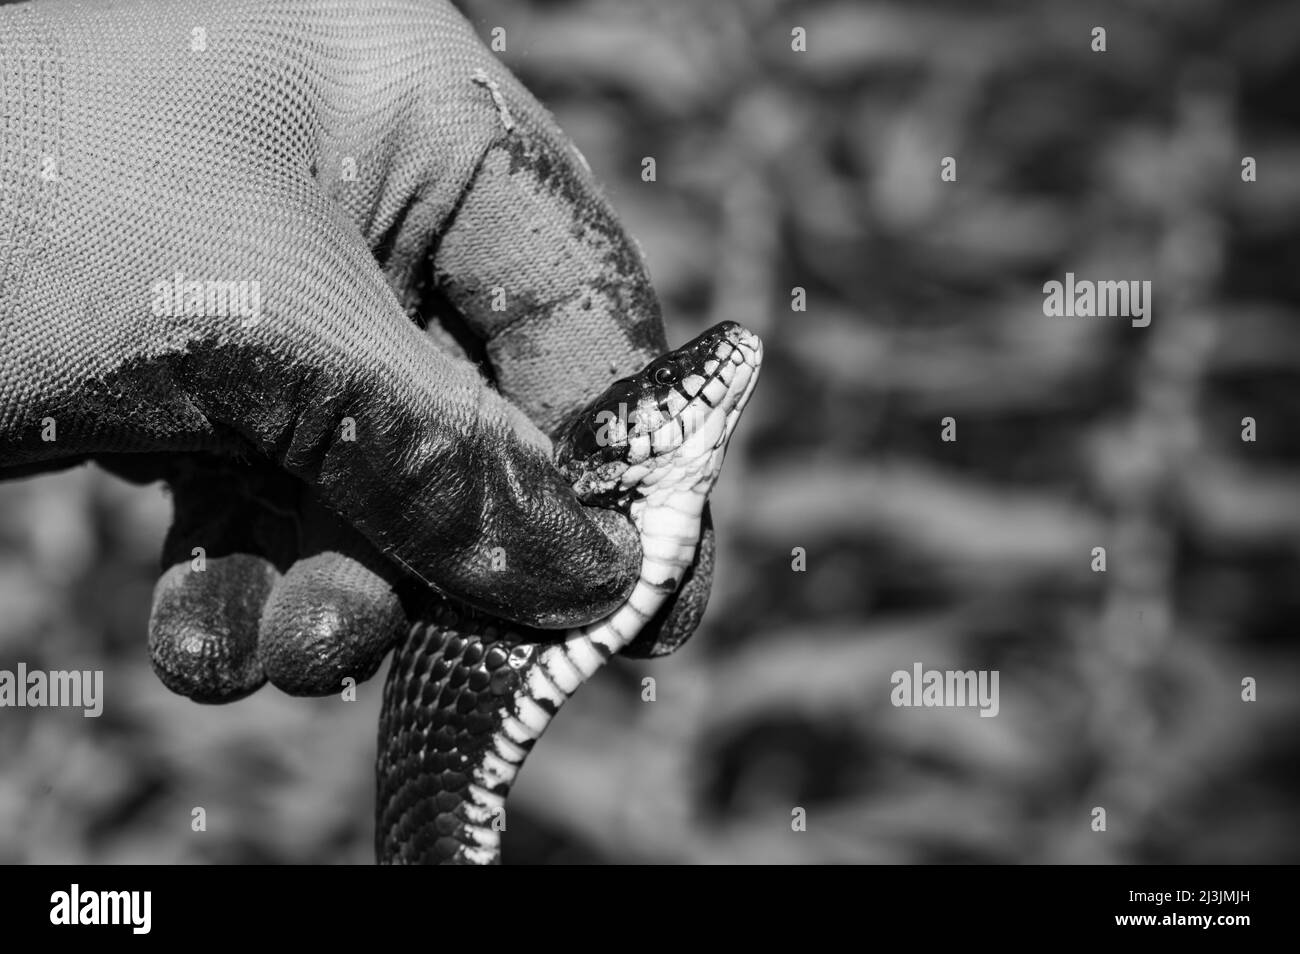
666 375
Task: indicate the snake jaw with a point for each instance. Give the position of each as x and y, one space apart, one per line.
684 407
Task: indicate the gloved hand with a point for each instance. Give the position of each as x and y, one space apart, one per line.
334 274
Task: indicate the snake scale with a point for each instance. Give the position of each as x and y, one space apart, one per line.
467 694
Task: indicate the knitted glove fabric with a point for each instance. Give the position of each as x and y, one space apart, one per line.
329 270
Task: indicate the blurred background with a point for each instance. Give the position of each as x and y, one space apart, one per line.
820 169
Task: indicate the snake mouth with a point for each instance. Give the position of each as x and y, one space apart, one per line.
674 416
711 380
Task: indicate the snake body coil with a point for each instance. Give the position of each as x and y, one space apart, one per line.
468 694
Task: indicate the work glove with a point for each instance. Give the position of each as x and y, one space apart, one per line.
333 274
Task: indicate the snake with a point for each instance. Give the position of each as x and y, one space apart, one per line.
467 694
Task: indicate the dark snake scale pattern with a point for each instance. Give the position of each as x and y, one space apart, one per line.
444 688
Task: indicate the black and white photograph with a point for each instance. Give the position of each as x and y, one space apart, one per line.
599 432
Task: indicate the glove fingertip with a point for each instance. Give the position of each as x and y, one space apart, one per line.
203 626
585 577
329 619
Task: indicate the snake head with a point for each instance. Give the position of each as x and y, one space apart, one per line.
664 429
